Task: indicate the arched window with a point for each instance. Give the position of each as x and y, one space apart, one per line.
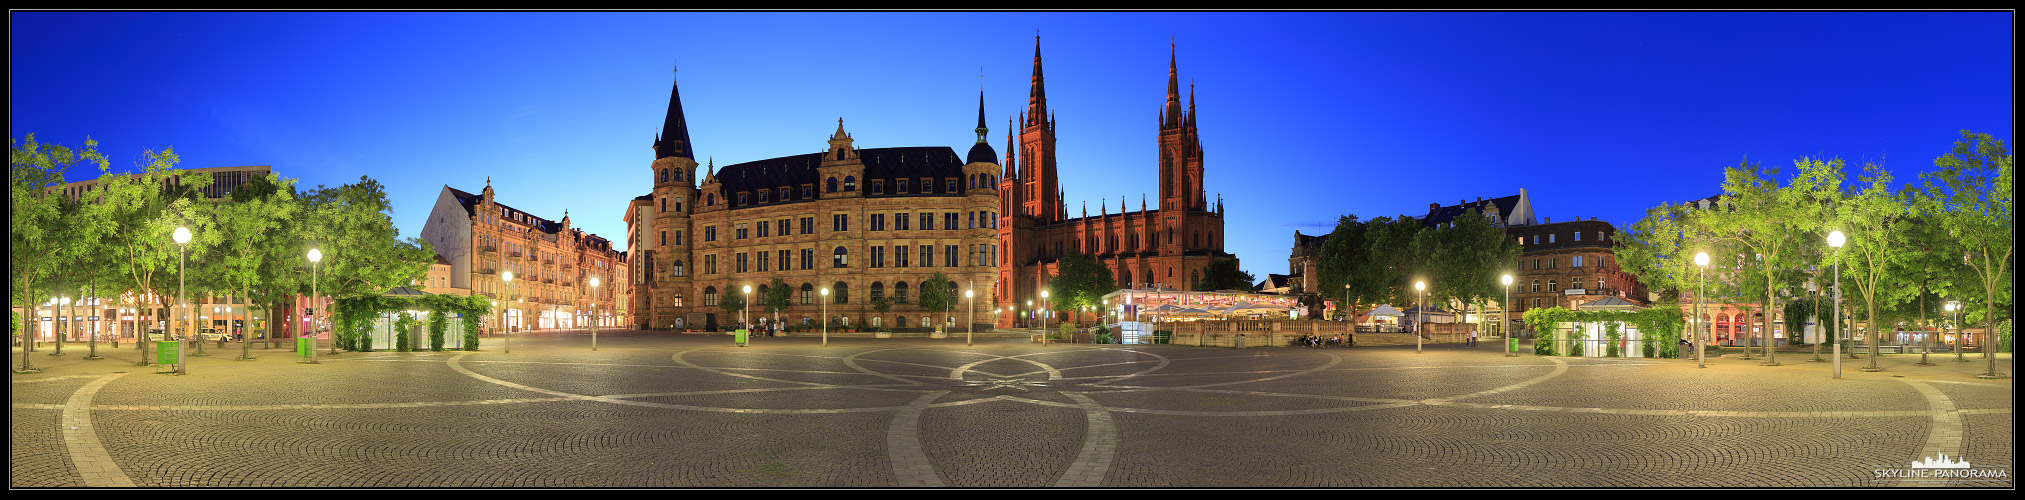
678 175
761 292
830 186
840 154
925 323
678 268
1127 277
1536 286
842 257
875 320
664 175
850 183
843 293
710 200
900 292
899 321
1194 278
709 296
1553 286
878 291
808 296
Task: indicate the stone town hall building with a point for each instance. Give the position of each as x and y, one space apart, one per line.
871 223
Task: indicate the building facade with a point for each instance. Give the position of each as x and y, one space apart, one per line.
1169 246
1567 264
842 227
551 261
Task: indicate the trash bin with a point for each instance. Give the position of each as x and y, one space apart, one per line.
739 337
302 347
1511 344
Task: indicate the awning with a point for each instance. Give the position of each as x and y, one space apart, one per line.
1384 310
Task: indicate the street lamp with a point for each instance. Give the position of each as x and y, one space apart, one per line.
826 316
1701 301
182 237
1044 318
743 306
1954 316
1505 316
1835 240
315 256
594 313
505 319
1419 312
971 331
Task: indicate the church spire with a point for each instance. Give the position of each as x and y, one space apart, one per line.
1012 170
1173 91
674 137
1037 96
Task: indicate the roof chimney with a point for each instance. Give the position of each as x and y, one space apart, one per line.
1549 220
1433 207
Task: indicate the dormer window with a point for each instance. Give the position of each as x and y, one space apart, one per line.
783 194
808 191
900 186
741 198
878 187
762 196
952 186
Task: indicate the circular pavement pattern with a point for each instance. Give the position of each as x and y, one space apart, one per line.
653 409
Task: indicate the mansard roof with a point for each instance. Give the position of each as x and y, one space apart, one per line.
880 163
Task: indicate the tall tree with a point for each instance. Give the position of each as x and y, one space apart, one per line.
1762 225
146 257
251 226
33 207
1875 222
778 296
1080 281
1337 263
1465 259
363 252
1389 261
1660 250
935 293
1973 191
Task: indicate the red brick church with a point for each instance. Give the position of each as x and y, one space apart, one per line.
1169 246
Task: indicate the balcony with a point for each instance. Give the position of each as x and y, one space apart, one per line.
487 271
488 248
513 253
548 262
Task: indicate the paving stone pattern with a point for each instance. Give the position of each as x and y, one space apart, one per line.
653 409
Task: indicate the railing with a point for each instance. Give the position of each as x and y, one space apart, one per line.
485 270
488 248
513 253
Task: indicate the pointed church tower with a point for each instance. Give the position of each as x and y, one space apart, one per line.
675 195
1037 146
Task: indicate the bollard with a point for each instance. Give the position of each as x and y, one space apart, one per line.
1838 361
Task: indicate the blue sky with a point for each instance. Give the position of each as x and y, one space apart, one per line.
1304 116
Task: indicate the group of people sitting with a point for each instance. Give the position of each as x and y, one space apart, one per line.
1311 340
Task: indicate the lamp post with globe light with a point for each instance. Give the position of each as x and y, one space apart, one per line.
1702 271
1505 317
1044 318
1835 240
182 237
594 313
1419 312
744 305
1955 321
971 331
315 257
505 315
826 316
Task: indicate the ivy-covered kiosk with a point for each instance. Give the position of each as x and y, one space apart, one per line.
405 319
1610 327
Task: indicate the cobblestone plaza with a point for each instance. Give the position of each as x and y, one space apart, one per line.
654 409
